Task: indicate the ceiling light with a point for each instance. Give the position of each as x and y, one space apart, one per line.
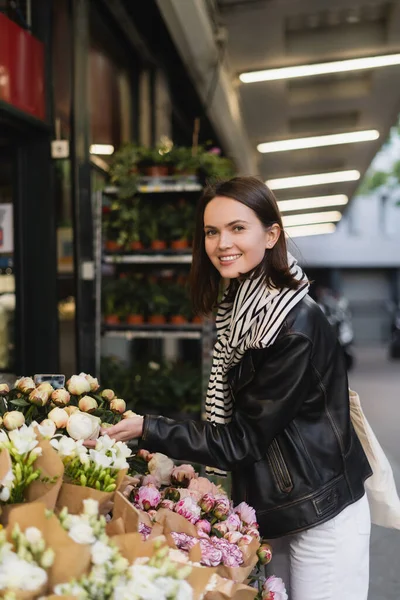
311 218
337 66
319 140
316 179
315 202
101 149
305 230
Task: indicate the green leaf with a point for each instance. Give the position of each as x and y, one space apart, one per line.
20 402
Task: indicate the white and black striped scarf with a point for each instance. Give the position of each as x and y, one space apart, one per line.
252 321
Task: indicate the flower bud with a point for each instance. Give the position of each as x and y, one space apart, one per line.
219 529
221 508
171 493
4 389
82 426
38 397
46 387
264 554
253 531
13 419
92 381
207 503
144 455
167 504
59 417
25 385
233 537
203 526
70 410
87 404
128 414
245 540
117 405
182 475
60 397
107 395
78 385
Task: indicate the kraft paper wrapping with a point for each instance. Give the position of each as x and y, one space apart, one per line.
71 560
226 589
72 496
51 467
5 463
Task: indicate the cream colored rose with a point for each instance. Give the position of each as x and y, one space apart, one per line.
87 404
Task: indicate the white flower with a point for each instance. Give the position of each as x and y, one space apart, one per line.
120 463
100 459
78 385
65 446
101 553
82 426
82 533
105 443
5 494
13 419
161 467
18 574
33 535
90 507
122 449
93 382
3 438
59 417
23 439
46 428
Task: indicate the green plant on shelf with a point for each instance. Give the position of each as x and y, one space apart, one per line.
179 302
185 160
153 220
179 221
124 170
121 222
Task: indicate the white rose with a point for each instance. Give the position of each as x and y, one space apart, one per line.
82 533
82 426
78 385
161 467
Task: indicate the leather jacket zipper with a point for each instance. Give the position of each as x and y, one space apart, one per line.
279 468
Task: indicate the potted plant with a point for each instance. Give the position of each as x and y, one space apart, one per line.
110 303
124 170
214 166
121 224
154 162
180 311
151 221
158 304
185 161
179 224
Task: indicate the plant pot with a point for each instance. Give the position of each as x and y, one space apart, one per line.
179 244
136 245
157 319
185 172
111 319
135 319
156 171
178 320
158 245
112 246
198 320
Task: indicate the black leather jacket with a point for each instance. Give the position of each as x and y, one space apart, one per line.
291 448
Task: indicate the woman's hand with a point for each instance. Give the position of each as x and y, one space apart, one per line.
125 430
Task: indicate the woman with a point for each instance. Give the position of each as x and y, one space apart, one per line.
277 403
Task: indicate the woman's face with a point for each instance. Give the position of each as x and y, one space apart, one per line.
235 238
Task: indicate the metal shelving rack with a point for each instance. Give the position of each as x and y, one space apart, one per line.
170 333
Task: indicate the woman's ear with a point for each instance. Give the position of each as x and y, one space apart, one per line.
272 236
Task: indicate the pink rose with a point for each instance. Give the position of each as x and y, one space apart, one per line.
182 475
210 555
222 508
207 503
189 509
148 497
246 513
203 526
233 522
233 537
274 589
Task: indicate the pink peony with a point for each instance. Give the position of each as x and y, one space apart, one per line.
222 508
220 529
253 531
186 493
207 503
245 540
233 537
148 497
182 475
203 526
264 554
231 555
144 531
246 513
189 509
233 522
210 555
204 486
151 479
183 541
274 589
152 514
167 504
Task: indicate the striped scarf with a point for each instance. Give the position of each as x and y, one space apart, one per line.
252 321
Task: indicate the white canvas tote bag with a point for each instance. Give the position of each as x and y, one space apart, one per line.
381 488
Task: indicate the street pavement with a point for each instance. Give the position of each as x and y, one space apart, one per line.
377 380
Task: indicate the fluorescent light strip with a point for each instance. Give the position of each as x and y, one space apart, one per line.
318 141
101 149
311 218
315 179
315 202
338 66
306 230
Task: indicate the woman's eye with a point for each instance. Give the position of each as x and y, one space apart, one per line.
210 232
238 228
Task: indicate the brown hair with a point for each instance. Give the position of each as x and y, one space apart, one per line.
205 280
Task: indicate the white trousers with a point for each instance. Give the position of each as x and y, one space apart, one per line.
329 561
